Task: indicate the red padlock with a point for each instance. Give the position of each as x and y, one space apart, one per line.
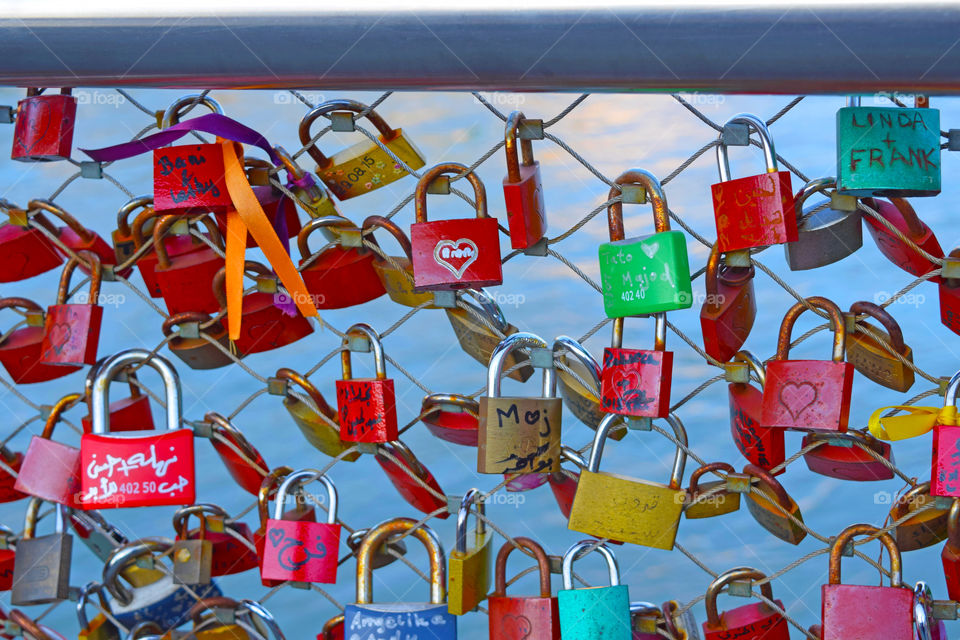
367 406
522 188
862 612
342 275
8 480
757 621
280 211
245 464
44 126
853 455
636 382
302 551
454 254
563 483
183 279
191 345
945 461
408 476
268 489
808 394
950 555
524 618
756 211
730 308
78 238
126 414
899 213
762 446
230 554
950 300
51 469
71 332
452 417
24 250
7 553
124 245
20 350
136 470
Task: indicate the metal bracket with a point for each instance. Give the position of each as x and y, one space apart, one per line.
35 318
46 410
556 564
849 322
739 258
736 372
539 248
267 284
276 386
541 358
950 268
367 447
225 616
342 121
633 193
841 202
92 170
638 424
351 237
439 185
953 139
738 482
944 609
453 504
740 588
300 585
847 550
202 430
8 114
530 129
445 299
735 135
189 330
107 274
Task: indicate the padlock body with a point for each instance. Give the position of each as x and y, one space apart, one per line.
950 558
25 253
458 427
126 414
137 470
244 473
754 211
342 277
866 613
646 274
923 529
807 394
41 572
199 354
71 334
164 601
716 504
768 515
849 462
456 254
950 307
726 322
301 551
192 561
895 250
526 214
95 244
368 410
595 613
762 446
583 402
398 282
945 471
188 178
51 471
44 128
869 358
401 476
403 619
636 382
519 435
176 245
7 481
7 557
823 238
364 166
20 356
888 151
749 622
324 436
186 285
478 341
468 574
266 327
530 618
230 555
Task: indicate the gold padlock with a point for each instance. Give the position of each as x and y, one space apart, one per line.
926 528
364 166
622 508
477 339
870 357
320 429
396 273
714 504
312 197
209 625
578 374
468 575
763 506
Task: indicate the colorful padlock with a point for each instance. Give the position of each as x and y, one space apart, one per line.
244 462
729 309
757 621
522 188
945 460
762 446
593 613
773 508
636 382
25 250
480 328
44 126
900 215
182 279
367 406
21 348
317 420
342 275
468 573
527 617
71 331
200 342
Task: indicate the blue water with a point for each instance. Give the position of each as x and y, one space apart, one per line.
542 295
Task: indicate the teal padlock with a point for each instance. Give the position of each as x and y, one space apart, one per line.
888 151
594 613
645 274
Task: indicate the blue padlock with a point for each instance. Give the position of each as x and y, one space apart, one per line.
594 613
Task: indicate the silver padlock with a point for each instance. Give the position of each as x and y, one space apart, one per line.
41 567
580 390
96 533
827 236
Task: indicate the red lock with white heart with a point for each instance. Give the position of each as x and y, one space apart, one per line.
44 126
636 382
367 406
762 446
454 254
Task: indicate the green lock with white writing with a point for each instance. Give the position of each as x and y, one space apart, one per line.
645 274
888 151
594 613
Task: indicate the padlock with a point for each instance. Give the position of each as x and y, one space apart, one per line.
757 621
51 470
8 480
901 215
268 489
217 619
950 299
862 612
21 348
563 483
339 276
729 308
636 382
25 251
853 455
616 506
945 460
716 503
527 617
644 619
126 414
396 272
365 166
268 321
367 407
519 434
332 629
310 195
412 479
643 274
478 340
44 126
454 254
102 538
924 529
430 620
468 572
192 556
124 246
522 188
679 625
302 551
232 548
318 422
452 417
244 462
78 238
755 211
578 377
41 569
773 508
593 613
385 554
8 554
808 394
762 446
155 468
950 555
872 140
100 628
71 332
182 279
826 233
869 356
926 627
191 343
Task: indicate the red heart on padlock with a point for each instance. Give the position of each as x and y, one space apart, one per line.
60 335
796 397
515 627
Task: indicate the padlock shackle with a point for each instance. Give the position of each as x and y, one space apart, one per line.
297 480
378 535
181 516
485 306
327 632
387 134
20 303
379 361
725 578
219 282
836 317
580 549
32 515
950 393
261 612
147 626
500 568
122 557
880 314
61 405
138 229
100 394
304 383
570 454
392 228
463 513
92 374
694 487
922 610
836 550
356 538
160 230
510 135
172 115
28 625
85 593
754 363
716 271
183 318
128 207
203 605
267 489
303 238
46 205
661 214
455 168
766 141
915 227
772 484
434 400
581 355
96 273
500 355
612 419
817 185
219 424
659 336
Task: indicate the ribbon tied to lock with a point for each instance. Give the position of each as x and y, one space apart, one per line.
916 422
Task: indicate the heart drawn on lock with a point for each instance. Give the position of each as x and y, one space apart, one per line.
40 120
797 397
650 249
456 255
515 627
276 536
625 382
60 335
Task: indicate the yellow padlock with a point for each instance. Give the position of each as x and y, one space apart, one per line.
210 623
469 564
319 428
478 340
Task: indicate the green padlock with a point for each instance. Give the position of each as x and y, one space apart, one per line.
888 151
594 613
644 274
